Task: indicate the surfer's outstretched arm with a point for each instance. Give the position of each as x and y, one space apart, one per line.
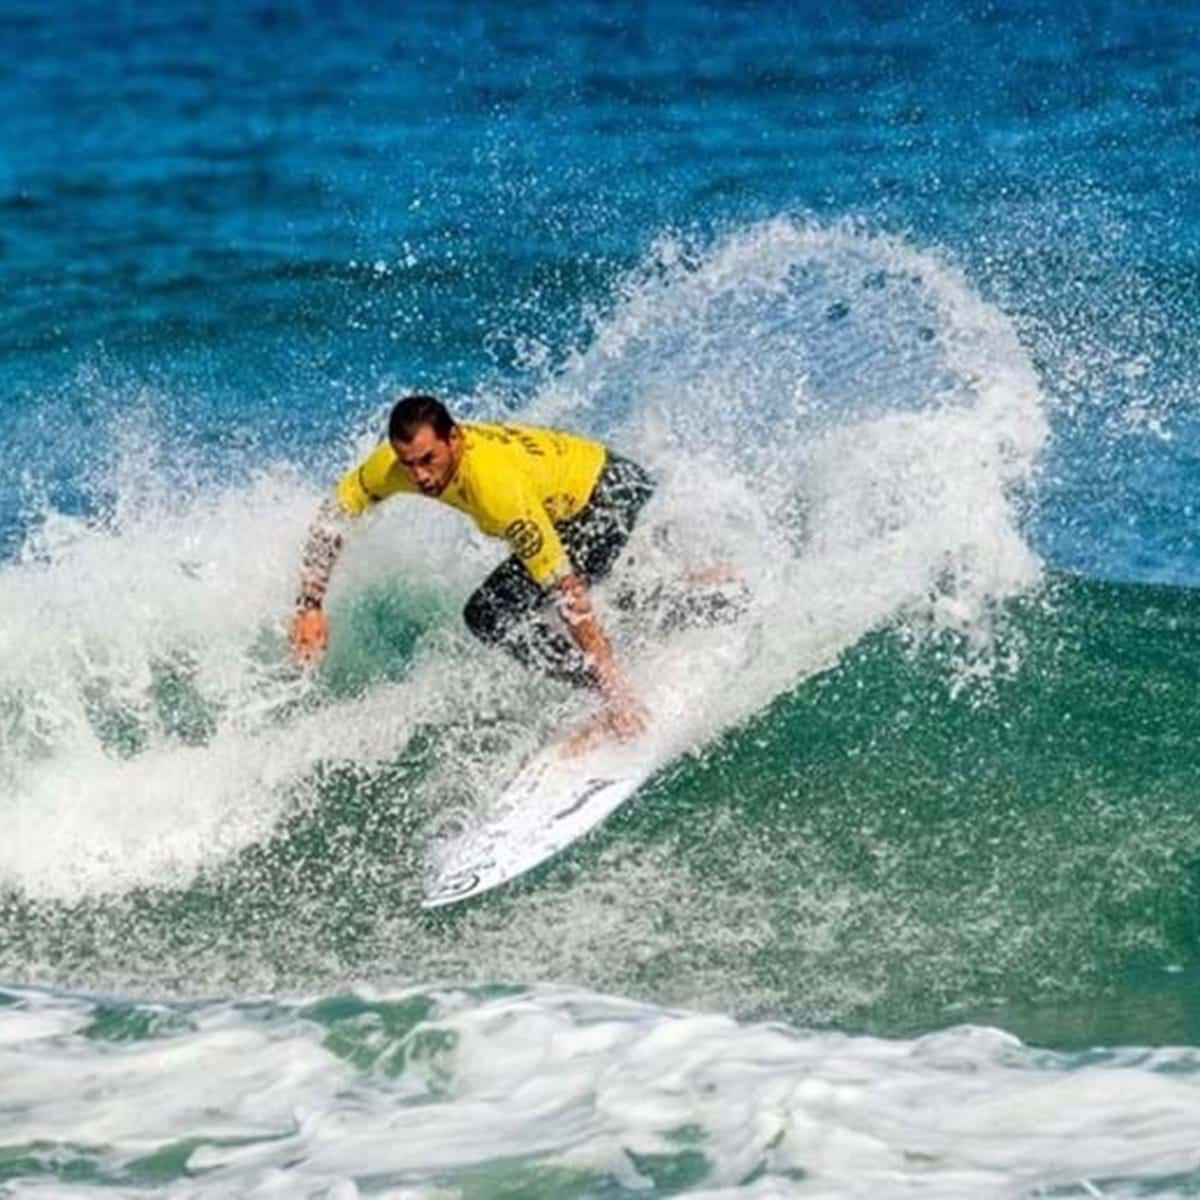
310 627
625 712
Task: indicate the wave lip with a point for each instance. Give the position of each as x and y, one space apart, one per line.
837 411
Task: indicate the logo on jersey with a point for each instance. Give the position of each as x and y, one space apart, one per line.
527 443
524 537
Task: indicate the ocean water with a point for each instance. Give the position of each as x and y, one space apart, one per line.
899 303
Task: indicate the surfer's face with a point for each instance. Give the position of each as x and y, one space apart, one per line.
430 460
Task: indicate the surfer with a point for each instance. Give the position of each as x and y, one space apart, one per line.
564 505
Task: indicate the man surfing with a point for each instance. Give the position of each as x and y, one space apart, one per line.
564 505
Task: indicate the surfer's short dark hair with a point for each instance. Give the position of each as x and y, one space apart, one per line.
412 412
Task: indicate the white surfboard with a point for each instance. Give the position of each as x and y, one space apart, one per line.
554 800
558 796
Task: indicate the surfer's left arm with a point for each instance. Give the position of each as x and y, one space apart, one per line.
626 713
535 541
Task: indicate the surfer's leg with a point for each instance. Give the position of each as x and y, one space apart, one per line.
595 538
509 610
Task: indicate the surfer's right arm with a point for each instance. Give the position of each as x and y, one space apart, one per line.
310 626
373 480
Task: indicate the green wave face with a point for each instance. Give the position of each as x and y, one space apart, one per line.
903 841
924 850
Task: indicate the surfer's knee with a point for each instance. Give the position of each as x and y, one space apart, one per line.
484 617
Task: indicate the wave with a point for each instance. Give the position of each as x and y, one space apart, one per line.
833 412
559 1092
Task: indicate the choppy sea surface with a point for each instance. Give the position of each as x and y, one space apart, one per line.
899 303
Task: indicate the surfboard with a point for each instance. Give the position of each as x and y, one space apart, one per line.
553 801
558 796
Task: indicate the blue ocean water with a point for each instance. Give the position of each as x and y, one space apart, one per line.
901 300
203 198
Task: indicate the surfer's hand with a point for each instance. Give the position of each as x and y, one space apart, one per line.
627 716
309 633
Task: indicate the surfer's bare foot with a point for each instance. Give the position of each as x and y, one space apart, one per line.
589 735
621 723
626 718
